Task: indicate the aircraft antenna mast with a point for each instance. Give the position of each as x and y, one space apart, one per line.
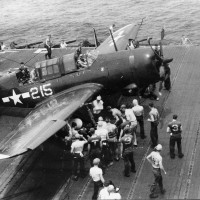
111 34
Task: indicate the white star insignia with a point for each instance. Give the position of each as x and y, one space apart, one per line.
15 97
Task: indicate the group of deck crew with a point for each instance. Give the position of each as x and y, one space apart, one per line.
113 138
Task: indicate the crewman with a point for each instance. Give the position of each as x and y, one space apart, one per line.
2 46
78 157
127 152
154 119
101 121
105 151
113 194
97 177
63 44
77 54
175 130
73 132
23 75
94 146
81 62
97 106
138 110
104 194
116 113
112 140
130 118
167 81
156 161
47 45
185 40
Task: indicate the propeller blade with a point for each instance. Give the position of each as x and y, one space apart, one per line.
168 60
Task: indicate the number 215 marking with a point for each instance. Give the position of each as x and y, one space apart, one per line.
44 90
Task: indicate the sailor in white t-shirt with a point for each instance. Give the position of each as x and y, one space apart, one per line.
156 161
97 176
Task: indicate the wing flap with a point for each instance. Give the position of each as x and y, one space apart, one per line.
46 119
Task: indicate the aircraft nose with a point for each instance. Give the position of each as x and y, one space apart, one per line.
145 67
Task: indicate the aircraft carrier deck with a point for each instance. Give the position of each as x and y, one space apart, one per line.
46 174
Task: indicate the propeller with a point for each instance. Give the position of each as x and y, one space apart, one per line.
160 58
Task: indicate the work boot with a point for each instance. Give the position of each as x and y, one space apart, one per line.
153 195
133 170
181 155
172 156
162 191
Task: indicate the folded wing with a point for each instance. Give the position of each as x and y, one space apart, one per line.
45 120
121 38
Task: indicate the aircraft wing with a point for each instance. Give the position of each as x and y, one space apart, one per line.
46 119
121 38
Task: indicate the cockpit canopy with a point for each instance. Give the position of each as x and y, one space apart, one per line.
56 67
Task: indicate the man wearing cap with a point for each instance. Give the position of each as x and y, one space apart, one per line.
97 105
154 119
127 151
78 158
138 110
97 177
175 130
156 161
112 194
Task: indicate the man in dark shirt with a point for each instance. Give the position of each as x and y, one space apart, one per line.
94 146
175 130
23 75
127 150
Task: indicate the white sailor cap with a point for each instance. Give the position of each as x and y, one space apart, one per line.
158 147
99 97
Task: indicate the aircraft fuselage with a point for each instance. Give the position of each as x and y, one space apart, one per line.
114 71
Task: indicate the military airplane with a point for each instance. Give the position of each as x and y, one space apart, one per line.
60 86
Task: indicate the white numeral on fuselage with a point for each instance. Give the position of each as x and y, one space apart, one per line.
44 90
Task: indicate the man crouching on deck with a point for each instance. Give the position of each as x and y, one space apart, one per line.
156 161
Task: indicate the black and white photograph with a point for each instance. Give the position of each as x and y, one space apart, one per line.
99 99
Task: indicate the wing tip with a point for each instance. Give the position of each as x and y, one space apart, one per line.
3 156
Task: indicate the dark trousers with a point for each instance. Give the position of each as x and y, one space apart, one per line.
94 153
154 133
118 125
105 153
141 123
77 159
172 142
167 83
97 185
128 159
113 150
48 52
158 180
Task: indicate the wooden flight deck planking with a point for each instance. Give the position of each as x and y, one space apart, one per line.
182 179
